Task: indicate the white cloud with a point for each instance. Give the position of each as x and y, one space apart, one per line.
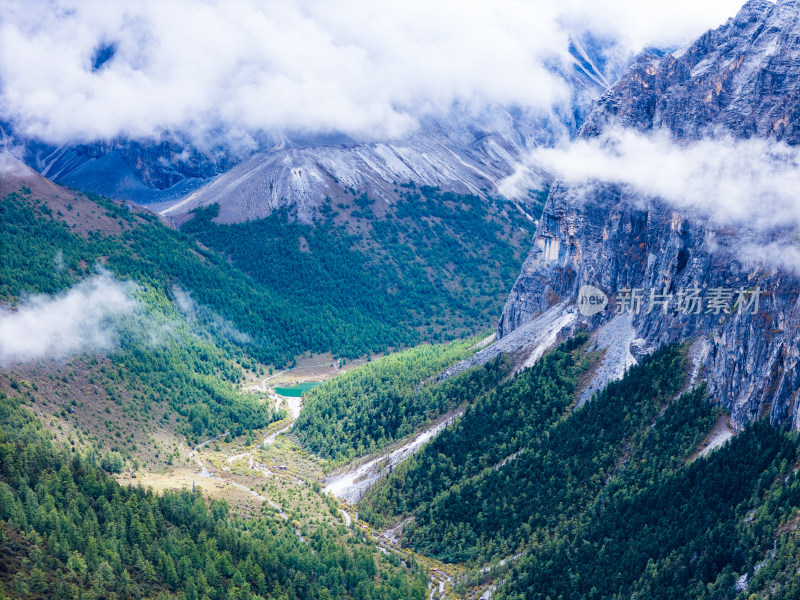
638 25
750 182
83 319
784 256
11 166
367 69
195 312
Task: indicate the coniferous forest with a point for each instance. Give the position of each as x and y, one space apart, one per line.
527 489
399 300
70 531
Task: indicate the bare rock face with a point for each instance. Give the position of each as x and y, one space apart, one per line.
143 171
741 80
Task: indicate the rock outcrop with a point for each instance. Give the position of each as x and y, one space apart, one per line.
742 81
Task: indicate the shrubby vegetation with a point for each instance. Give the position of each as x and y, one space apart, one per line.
369 407
69 531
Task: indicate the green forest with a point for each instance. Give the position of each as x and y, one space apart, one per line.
439 271
529 490
500 423
69 531
143 250
606 500
67 528
190 373
433 267
368 408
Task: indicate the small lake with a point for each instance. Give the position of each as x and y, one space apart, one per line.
296 390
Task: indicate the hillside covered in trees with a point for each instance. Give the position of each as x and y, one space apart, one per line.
69 531
608 500
368 408
527 490
170 375
432 267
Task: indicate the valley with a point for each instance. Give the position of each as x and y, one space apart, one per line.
274 471
454 303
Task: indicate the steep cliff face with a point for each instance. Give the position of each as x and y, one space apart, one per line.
741 80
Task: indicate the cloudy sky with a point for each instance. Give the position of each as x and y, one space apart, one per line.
368 69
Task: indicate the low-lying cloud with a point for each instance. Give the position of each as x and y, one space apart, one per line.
86 318
11 166
751 182
85 70
195 312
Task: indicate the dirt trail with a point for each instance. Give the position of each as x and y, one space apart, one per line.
206 472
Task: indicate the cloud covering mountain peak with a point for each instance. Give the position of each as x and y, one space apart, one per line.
84 71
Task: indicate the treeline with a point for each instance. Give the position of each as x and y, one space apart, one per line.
350 304
68 531
34 241
370 406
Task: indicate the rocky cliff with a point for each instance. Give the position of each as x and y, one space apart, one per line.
740 81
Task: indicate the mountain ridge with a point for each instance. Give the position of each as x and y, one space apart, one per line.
615 238
465 150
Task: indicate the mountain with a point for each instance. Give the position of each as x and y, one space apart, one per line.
467 150
115 362
644 492
737 82
135 170
463 154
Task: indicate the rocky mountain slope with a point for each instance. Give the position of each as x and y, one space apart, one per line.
463 155
465 151
739 81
